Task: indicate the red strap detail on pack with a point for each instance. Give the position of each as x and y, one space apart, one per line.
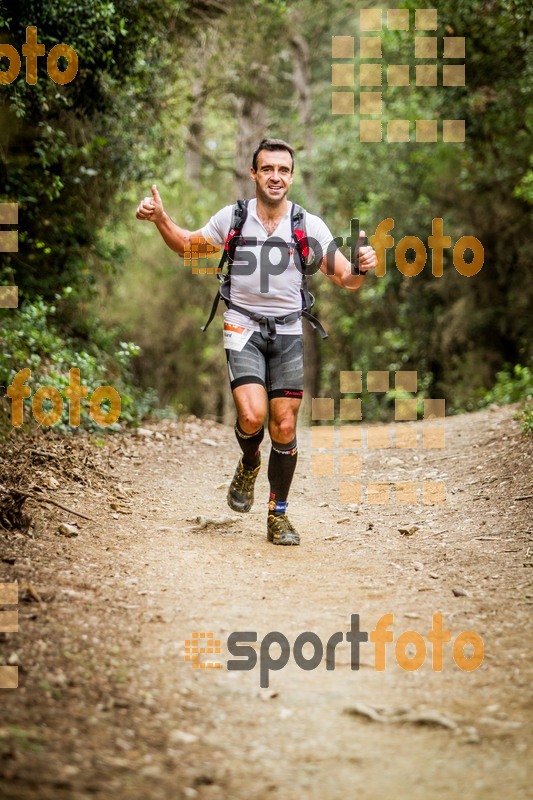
229 237
301 238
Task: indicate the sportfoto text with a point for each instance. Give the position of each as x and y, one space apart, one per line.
381 241
380 637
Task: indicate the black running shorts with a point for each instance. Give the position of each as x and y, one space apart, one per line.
277 365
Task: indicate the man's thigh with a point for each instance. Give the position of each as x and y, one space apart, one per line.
249 365
252 405
247 373
273 369
285 367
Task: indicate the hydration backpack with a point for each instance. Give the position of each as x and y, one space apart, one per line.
267 325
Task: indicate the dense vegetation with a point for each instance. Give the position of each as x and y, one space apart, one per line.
179 94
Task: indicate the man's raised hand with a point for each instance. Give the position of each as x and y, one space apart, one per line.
151 208
367 256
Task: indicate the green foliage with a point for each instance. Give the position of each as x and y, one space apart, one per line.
31 339
66 150
525 415
155 101
67 156
457 329
514 384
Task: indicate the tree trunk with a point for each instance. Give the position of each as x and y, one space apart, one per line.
251 118
301 78
302 83
195 134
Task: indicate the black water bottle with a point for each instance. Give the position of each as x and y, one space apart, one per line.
362 241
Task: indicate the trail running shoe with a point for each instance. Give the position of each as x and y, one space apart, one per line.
241 490
280 530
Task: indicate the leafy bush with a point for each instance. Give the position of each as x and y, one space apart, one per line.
31 339
525 415
513 385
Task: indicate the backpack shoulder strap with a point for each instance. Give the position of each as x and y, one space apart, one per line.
301 249
240 213
297 216
299 236
238 218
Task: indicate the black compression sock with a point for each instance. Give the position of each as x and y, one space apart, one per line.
281 466
249 444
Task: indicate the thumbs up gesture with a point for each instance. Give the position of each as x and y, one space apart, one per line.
151 208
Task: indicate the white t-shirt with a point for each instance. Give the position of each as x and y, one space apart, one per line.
254 284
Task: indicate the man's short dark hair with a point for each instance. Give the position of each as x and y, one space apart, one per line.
272 145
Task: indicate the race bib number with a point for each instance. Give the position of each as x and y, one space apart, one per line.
236 336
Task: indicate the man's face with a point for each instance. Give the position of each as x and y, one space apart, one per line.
274 175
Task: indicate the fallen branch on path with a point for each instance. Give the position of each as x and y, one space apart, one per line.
429 535
431 718
43 499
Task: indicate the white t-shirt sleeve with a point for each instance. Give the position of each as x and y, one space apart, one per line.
218 226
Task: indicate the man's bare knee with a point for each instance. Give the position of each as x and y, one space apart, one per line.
251 404
283 430
250 421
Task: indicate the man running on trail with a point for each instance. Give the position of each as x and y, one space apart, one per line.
264 355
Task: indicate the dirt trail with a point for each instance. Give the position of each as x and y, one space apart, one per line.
107 706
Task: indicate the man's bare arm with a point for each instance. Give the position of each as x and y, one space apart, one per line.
178 239
338 269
